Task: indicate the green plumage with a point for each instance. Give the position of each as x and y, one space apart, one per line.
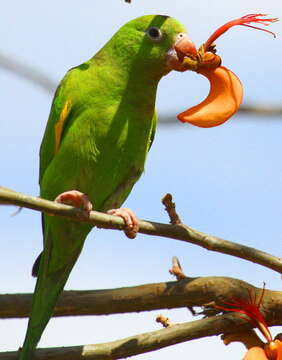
100 129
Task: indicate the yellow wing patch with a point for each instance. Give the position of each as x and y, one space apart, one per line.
59 126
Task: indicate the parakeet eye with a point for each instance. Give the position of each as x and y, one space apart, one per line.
154 33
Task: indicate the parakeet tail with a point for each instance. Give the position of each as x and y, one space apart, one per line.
48 287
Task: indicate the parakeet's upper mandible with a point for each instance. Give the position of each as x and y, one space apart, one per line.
100 129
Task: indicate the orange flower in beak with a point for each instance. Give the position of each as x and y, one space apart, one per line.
226 92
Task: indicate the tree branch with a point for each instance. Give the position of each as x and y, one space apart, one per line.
189 292
178 232
141 343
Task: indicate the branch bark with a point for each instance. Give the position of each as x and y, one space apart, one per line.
178 232
141 343
188 292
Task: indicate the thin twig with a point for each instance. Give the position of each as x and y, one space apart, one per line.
176 269
177 232
165 321
171 210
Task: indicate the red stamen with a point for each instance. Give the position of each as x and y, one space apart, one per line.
244 20
250 308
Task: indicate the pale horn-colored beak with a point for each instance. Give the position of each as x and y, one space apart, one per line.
182 48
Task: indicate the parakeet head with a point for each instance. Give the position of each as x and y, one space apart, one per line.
154 44
147 48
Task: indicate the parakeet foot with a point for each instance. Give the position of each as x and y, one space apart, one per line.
130 219
75 198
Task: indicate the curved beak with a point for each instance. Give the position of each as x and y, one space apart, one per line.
182 48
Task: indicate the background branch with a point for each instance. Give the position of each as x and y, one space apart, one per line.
37 77
256 112
27 72
178 232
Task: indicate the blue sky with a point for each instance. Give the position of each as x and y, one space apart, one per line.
226 181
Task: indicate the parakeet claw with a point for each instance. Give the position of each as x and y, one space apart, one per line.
130 220
75 198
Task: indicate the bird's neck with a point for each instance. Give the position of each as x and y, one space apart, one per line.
126 71
117 85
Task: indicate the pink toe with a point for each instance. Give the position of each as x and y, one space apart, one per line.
75 198
130 220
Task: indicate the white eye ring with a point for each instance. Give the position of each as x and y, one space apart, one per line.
154 33
180 36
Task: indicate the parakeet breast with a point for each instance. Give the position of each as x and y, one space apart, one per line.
105 142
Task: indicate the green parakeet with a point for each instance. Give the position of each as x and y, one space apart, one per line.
100 129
